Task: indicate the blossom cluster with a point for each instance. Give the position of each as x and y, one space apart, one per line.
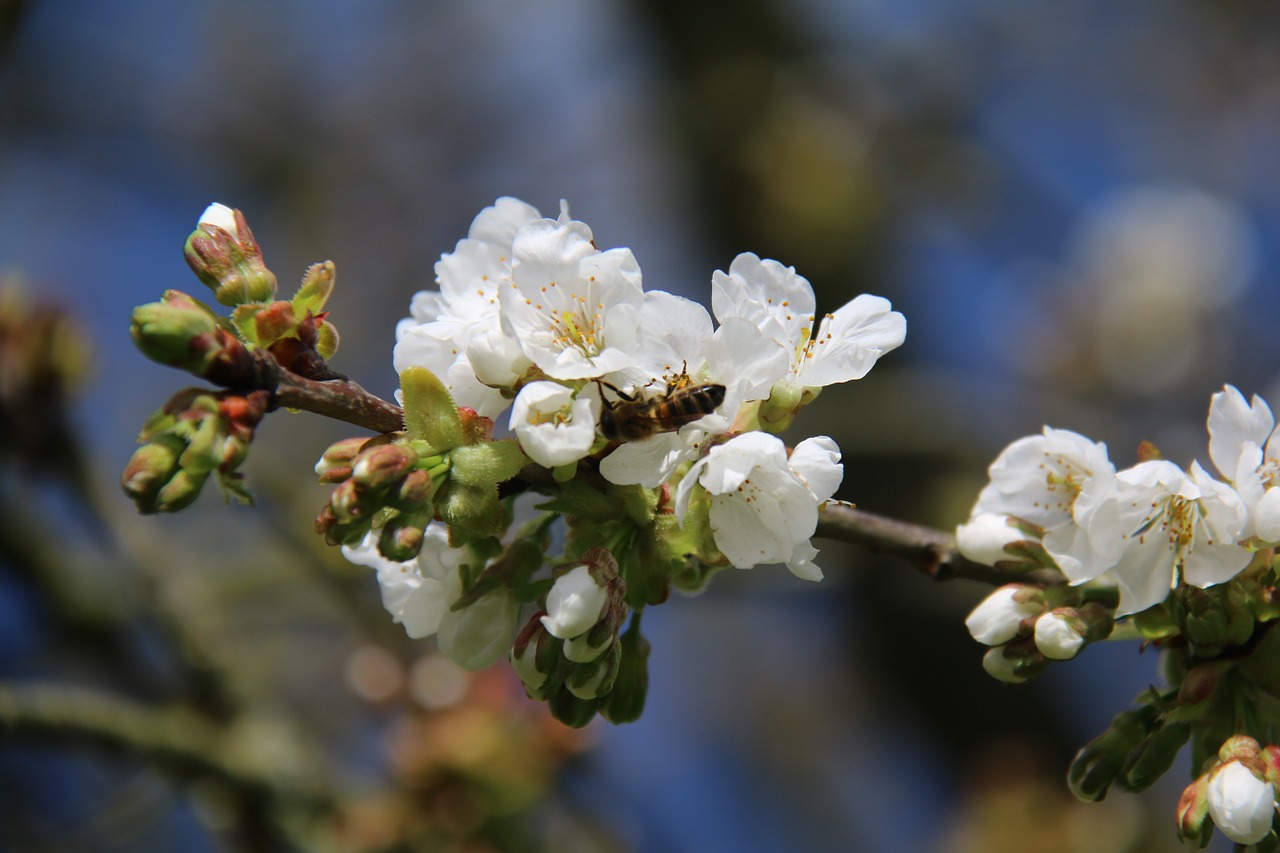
1145 529
657 427
530 315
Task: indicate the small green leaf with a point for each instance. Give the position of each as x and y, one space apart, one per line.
317 285
429 411
488 463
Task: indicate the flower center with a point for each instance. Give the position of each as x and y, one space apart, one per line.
574 327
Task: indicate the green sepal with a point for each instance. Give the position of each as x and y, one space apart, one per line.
1262 666
429 411
326 339
488 463
513 571
625 702
232 486
579 500
180 492
244 320
475 510
316 288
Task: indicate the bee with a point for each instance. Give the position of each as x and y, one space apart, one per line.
632 418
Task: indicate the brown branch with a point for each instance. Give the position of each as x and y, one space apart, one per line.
340 399
932 552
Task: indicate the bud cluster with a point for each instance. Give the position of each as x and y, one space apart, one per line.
1028 625
570 652
244 353
195 435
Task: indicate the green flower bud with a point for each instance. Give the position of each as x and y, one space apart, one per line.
1096 766
625 701
151 467
401 539
571 710
181 491
594 680
167 332
1154 756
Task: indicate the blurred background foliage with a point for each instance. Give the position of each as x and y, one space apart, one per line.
1077 206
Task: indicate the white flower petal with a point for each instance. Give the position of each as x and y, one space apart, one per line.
1233 422
848 342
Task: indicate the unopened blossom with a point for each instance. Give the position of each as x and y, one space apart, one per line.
420 594
984 537
997 619
843 346
1241 804
764 506
554 424
574 309
574 604
1155 526
1057 637
1243 447
1001 667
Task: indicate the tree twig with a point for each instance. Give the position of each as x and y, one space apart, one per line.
186 744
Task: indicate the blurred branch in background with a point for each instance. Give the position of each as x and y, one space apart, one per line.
152 650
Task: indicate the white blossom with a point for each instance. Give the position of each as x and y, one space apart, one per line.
779 302
456 332
574 310
1157 525
555 425
574 604
1241 804
1244 449
420 594
764 507
1038 479
984 537
996 620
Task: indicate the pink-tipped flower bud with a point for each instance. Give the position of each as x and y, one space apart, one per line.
379 467
335 463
